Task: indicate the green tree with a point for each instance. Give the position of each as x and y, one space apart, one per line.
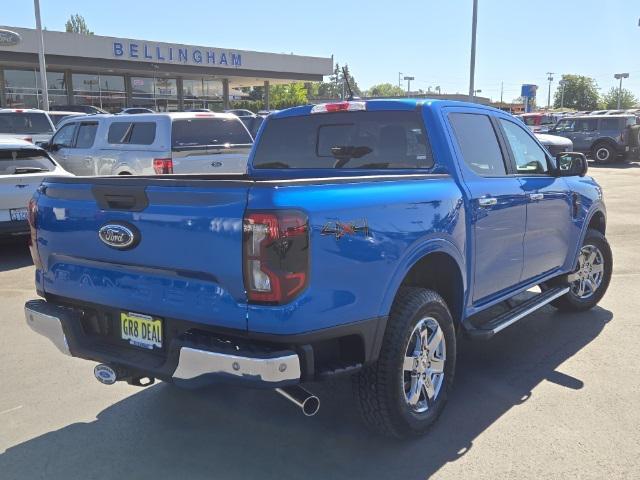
580 93
386 90
289 95
627 99
76 24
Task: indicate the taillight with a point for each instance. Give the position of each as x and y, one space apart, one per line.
28 139
276 255
163 165
32 215
339 107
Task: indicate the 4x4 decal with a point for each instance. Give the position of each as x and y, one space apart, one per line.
340 229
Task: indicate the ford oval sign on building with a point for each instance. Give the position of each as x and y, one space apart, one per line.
9 38
119 235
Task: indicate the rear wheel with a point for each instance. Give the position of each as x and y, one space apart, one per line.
603 152
405 391
590 279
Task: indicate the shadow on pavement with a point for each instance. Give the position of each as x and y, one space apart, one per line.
164 432
14 253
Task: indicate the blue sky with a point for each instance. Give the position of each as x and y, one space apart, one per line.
518 41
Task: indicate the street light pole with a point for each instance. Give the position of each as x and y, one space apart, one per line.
620 76
562 83
550 78
43 66
472 66
399 79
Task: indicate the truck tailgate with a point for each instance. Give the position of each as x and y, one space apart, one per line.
186 260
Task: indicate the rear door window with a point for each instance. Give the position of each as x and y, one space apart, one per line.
478 143
132 133
191 132
24 123
86 135
23 161
369 139
609 124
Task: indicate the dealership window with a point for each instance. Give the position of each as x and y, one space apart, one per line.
159 94
23 90
104 91
202 93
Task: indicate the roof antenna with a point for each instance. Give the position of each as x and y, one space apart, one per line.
345 76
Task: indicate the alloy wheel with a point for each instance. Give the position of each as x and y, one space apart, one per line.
423 366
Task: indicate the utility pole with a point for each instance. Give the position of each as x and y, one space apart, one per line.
472 66
550 78
620 76
43 66
408 79
501 92
562 83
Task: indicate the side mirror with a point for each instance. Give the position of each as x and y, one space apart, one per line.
53 147
44 145
571 164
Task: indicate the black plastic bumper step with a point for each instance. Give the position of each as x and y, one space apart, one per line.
511 316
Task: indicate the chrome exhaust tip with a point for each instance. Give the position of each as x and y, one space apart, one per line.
308 402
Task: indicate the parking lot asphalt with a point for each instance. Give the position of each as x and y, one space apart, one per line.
554 396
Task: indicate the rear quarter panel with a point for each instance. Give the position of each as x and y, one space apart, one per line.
353 276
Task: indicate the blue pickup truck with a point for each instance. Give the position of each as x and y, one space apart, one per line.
366 237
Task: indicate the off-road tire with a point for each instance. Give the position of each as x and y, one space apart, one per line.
598 148
378 388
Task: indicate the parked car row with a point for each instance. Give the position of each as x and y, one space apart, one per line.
603 135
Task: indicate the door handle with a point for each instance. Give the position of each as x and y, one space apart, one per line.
534 197
87 161
487 201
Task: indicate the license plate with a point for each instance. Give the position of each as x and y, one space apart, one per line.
18 214
141 330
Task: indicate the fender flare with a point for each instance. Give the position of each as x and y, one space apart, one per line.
608 140
412 256
122 168
595 208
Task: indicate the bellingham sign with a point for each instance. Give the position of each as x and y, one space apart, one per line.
172 54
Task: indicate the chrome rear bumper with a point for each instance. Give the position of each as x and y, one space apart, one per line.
46 325
194 363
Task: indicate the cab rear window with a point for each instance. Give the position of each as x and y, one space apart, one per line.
367 140
22 161
193 132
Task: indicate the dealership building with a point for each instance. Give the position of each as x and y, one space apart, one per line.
113 73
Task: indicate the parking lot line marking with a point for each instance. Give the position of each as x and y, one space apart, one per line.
11 410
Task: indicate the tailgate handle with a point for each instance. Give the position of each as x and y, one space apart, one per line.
120 202
118 197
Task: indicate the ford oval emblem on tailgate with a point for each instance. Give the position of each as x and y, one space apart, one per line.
119 235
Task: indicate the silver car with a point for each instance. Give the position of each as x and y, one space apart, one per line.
149 144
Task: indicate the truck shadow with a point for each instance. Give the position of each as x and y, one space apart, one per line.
165 432
14 253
